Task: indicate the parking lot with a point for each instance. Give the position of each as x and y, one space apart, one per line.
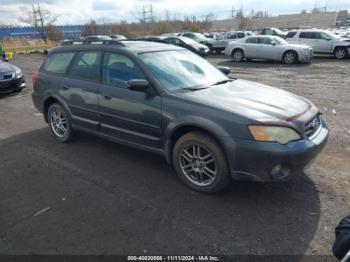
103 198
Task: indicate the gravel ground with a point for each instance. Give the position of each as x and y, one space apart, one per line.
108 199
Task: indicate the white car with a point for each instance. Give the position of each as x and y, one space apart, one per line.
220 42
268 48
322 41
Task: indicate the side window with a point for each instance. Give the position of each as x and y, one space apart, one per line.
118 69
265 40
189 35
232 36
240 35
308 35
86 66
58 62
252 40
291 34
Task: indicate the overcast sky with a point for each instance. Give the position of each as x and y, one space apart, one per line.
81 11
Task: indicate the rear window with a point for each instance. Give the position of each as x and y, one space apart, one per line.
58 62
291 34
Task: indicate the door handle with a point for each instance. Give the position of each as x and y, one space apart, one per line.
107 97
64 87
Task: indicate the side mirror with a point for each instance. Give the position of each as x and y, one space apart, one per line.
225 70
139 85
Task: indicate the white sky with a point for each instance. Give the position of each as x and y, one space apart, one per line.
81 11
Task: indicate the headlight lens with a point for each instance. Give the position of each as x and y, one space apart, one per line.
282 135
18 73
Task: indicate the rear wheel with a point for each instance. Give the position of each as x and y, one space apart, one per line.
60 123
340 52
237 55
290 57
200 162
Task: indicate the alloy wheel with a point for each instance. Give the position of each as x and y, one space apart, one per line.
289 58
238 56
58 123
340 53
198 165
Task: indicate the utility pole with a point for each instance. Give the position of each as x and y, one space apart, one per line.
38 19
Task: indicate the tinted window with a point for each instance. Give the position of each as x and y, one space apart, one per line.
310 35
189 35
86 66
232 36
291 34
241 35
117 69
252 40
265 40
58 62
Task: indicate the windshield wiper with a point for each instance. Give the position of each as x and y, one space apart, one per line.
222 82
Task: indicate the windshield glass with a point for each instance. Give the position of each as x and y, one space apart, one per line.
188 41
182 69
280 41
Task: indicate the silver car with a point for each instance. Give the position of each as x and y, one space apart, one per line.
268 48
220 42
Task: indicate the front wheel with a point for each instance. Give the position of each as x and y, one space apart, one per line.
340 53
200 163
60 123
290 58
237 55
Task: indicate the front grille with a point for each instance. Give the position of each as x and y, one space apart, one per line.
313 126
6 77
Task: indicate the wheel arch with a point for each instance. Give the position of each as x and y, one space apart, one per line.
290 50
174 133
51 100
237 48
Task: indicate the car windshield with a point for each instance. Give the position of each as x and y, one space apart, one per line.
188 41
182 69
280 41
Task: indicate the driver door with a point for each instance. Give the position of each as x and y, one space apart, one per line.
128 115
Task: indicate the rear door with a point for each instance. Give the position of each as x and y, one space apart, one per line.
251 47
79 88
128 115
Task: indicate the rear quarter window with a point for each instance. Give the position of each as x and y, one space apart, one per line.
291 34
58 62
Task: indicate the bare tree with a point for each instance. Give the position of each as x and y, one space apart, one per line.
38 17
90 28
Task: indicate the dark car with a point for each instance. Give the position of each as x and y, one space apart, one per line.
96 38
189 44
167 100
11 77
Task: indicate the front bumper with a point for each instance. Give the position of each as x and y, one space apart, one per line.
306 56
14 84
255 161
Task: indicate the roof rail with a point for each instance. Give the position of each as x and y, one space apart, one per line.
82 42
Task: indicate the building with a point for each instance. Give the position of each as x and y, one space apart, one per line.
69 31
308 20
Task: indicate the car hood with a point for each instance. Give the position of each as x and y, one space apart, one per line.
198 46
249 99
6 67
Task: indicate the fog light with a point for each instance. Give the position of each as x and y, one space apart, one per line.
276 169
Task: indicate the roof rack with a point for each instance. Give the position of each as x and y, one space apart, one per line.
84 42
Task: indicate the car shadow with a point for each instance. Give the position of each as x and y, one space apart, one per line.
120 200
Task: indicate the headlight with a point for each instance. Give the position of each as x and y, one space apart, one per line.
18 73
279 134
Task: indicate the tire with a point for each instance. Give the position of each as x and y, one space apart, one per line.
290 58
206 172
60 123
237 55
340 53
